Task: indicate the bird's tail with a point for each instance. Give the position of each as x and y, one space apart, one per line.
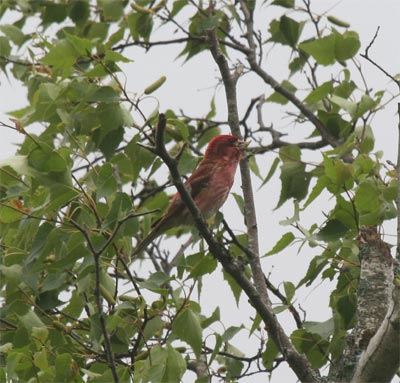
149 238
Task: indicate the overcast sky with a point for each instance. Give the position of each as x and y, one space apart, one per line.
190 86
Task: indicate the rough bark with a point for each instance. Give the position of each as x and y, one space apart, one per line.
380 361
376 314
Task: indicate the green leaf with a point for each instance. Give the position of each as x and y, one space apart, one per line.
322 50
46 159
239 201
156 282
186 327
290 290
346 45
335 47
63 55
315 267
234 366
323 329
105 184
366 104
254 167
291 30
79 11
294 178
81 45
215 317
315 348
217 347
332 231
183 129
9 213
295 218
319 93
112 10
30 320
348 106
236 289
116 57
153 326
12 274
346 306
318 188
256 324
344 212
270 353
187 162
5 47
63 364
335 124
206 265
54 13
14 34
163 365
40 359
271 171
105 94
284 3
175 366
283 242
230 332
140 25
366 138
177 7
367 196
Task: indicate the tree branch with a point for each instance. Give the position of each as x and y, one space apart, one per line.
107 339
380 361
365 55
258 293
398 185
374 293
251 57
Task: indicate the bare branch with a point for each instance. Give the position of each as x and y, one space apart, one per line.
107 339
365 55
251 57
260 301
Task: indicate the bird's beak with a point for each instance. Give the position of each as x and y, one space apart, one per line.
242 145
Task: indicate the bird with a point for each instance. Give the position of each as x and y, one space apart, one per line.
209 186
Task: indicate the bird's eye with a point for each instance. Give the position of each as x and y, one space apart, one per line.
232 141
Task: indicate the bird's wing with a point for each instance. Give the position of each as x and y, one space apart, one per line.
200 179
195 184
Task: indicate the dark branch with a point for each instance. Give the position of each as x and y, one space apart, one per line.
365 55
257 293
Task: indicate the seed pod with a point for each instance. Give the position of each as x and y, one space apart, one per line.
140 9
155 85
158 6
107 296
59 326
338 22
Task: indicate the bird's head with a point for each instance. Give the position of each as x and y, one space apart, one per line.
226 146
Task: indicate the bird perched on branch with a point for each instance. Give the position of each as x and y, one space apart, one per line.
209 186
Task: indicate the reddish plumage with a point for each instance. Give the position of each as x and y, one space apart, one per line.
209 186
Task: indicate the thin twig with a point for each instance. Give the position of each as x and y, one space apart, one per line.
365 55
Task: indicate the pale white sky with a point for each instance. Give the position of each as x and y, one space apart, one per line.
190 87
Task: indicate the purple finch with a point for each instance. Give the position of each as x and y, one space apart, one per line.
209 186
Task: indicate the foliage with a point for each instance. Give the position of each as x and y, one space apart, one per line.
76 306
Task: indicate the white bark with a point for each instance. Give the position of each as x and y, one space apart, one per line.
380 361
